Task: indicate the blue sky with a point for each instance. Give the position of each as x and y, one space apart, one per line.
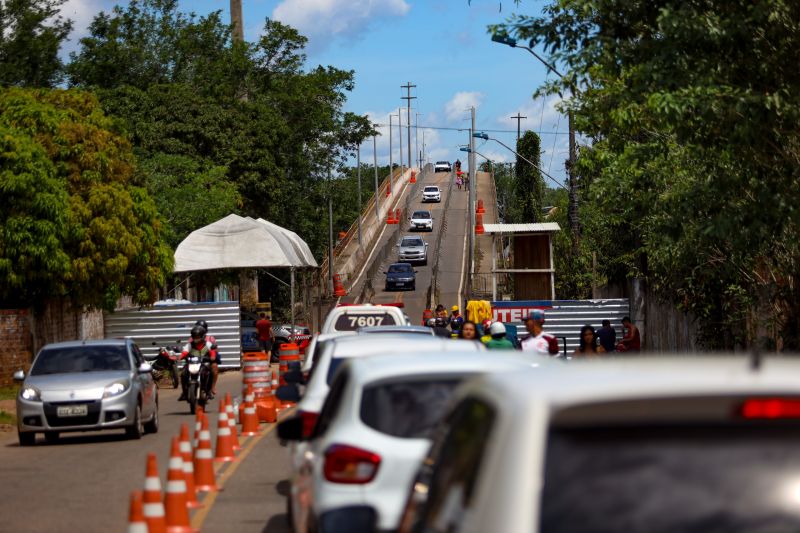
441 46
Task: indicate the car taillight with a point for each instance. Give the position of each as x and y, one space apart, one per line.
309 421
347 464
770 408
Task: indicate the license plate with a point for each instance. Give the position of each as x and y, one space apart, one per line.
400 284
72 410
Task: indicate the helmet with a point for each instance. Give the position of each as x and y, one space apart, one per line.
485 324
454 308
198 333
203 324
497 329
537 315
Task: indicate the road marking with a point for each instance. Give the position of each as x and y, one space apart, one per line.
211 497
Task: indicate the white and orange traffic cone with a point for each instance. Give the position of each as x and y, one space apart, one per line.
136 522
204 478
153 504
225 451
188 468
249 416
232 421
198 425
175 495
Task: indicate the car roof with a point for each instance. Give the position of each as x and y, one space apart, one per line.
582 382
416 330
364 345
431 363
88 342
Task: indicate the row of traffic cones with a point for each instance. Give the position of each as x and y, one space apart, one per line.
191 470
393 217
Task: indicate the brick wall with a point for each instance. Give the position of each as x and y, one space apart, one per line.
16 348
59 322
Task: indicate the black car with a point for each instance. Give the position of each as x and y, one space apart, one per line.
401 276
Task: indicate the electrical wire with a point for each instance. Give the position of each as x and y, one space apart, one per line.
467 129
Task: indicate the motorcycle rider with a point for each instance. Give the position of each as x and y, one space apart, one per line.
200 347
215 361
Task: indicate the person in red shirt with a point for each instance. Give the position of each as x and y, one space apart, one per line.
264 328
632 341
216 360
198 345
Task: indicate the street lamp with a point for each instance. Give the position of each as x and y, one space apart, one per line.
485 137
573 182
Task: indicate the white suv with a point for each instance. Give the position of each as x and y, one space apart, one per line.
646 445
431 193
373 431
442 166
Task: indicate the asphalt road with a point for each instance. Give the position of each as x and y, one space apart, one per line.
452 255
83 482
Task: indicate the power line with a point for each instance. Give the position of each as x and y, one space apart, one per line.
443 128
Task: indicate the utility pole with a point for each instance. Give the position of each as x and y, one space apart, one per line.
518 118
423 147
416 141
472 187
358 164
391 163
408 99
375 164
572 210
400 136
330 232
237 21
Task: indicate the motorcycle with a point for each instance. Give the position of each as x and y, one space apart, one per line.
165 366
199 375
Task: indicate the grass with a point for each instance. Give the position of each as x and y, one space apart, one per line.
7 418
9 392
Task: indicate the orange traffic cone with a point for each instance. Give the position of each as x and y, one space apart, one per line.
480 209
249 417
388 191
390 217
478 224
188 468
338 286
204 462
225 451
232 421
136 522
397 216
153 505
175 497
413 177
198 426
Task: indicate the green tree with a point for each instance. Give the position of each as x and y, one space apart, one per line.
106 234
528 182
31 35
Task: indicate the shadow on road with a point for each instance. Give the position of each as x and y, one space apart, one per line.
75 438
277 524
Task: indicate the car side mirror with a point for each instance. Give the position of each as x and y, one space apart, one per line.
416 272
19 375
291 428
145 368
398 243
288 393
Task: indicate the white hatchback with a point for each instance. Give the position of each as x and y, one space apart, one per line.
431 193
654 445
373 430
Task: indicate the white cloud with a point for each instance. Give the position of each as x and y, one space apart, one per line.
325 20
456 110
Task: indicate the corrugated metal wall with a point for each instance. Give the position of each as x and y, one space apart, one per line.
564 318
164 325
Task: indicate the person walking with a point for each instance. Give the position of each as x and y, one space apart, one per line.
538 341
499 341
607 336
588 346
265 338
631 341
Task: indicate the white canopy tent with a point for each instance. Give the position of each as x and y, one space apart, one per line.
243 242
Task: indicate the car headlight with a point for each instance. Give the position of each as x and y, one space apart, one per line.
116 388
31 394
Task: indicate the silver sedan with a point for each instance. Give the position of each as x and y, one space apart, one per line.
87 386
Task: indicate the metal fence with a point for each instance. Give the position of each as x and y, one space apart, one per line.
564 318
168 325
433 290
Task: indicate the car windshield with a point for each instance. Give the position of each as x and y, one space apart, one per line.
393 269
407 409
421 214
689 479
89 358
431 189
412 242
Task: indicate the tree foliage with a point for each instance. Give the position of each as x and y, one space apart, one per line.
76 225
692 177
528 182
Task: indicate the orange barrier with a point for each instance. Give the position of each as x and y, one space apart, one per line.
257 372
225 451
390 218
188 469
153 505
479 209
248 415
232 421
136 521
338 286
289 353
388 191
478 224
204 461
175 498
413 177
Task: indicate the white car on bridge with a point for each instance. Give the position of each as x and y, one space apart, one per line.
636 445
373 430
431 193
